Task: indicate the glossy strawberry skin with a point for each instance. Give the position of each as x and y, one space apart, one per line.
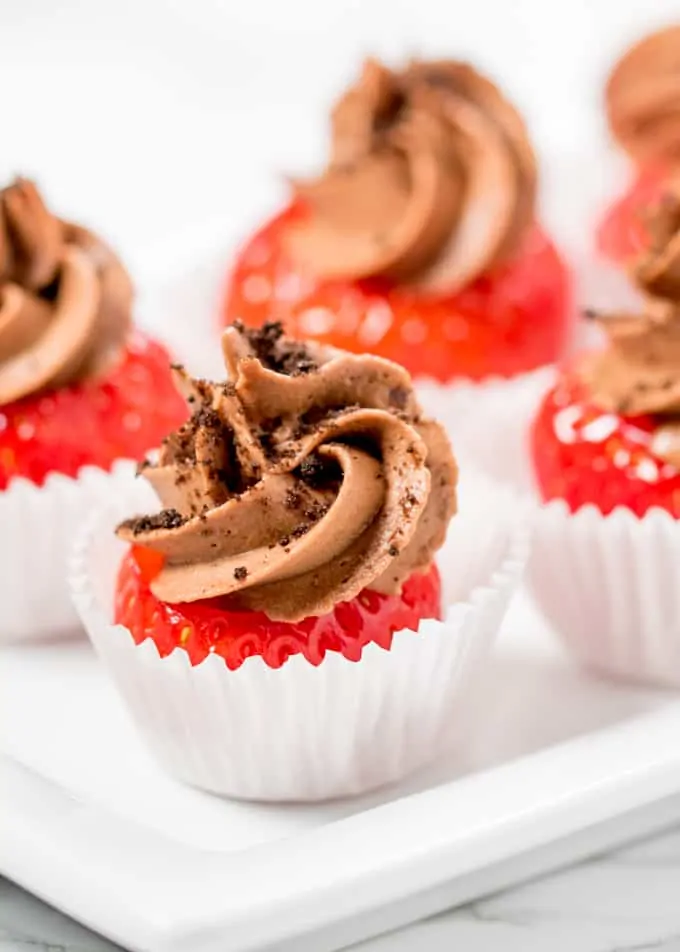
622 234
585 455
509 321
93 423
211 627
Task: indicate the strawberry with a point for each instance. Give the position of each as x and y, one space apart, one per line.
212 627
94 422
586 455
506 322
622 234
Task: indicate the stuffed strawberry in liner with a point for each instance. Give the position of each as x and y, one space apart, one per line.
80 391
606 451
642 101
608 433
419 242
284 605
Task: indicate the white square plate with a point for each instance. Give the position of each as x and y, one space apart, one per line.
550 766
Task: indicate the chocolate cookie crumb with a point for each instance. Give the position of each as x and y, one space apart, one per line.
318 417
398 397
165 519
275 352
317 472
206 418
408 502
316 511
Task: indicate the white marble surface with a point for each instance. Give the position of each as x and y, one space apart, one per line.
626 900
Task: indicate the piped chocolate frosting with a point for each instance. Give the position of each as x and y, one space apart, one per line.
639 371
431 180
308 476
65 298
642 98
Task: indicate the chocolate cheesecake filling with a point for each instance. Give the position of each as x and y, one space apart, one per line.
431 180
65 298
639 370
308 476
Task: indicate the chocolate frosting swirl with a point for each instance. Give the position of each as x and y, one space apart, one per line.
309 476
639 372
65 298
642 98
431 180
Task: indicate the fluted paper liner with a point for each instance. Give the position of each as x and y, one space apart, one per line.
302 732
609 585
38 525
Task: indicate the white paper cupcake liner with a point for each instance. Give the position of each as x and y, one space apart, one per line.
38 525
301 732
609 585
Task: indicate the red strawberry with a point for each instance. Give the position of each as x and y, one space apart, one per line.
508 321
586 455
122 415
622 234
210 627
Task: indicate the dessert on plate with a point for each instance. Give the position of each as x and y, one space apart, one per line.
642 100
279 627
79 385
79 388
606 453
594 448
419 241
608 433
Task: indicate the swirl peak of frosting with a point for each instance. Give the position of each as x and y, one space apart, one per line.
639 371
431 180
306 477
642 98
657 271
65 298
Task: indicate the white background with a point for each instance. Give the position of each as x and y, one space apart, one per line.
142 116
